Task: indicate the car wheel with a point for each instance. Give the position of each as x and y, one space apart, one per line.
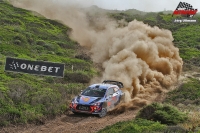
117 102
103 112
75 112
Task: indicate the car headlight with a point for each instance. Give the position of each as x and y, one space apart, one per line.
74 101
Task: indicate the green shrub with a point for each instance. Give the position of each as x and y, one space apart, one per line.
1 62
17 42
83 57
77 77
40 42
175 129
134 126
189 91
166 114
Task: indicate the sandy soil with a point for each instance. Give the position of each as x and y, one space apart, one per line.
72 124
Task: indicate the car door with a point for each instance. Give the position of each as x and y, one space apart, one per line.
116 95
109 96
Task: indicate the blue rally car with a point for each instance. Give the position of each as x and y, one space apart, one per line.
98 98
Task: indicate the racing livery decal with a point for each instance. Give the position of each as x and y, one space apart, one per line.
86 99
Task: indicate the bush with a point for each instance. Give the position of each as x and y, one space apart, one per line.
40 42
187 93
175 129
83 57
77 77
1 62
166 114
198 47
20 38
18 91
17 42
134 126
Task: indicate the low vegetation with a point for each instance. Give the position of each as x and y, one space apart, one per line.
186 98
187 93
165 114
28 98
134 126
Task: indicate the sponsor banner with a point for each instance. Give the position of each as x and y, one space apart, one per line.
35 67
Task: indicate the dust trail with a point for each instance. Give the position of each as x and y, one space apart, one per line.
142 57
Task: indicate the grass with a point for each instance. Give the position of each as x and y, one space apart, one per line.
28 98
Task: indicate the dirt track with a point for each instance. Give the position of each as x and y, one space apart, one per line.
73 124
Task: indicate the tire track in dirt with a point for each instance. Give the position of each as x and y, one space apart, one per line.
71 123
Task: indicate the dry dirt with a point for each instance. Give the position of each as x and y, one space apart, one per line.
73 124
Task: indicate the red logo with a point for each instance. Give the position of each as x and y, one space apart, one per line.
185 9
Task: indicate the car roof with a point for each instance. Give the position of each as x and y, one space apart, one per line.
103 86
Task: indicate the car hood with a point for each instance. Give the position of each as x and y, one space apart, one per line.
87 100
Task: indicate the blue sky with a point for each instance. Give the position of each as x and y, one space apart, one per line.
142 5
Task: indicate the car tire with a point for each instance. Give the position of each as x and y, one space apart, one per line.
75 112
103 112
115 104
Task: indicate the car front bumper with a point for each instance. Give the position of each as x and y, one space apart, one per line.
91 109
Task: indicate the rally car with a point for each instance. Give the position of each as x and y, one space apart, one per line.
98 98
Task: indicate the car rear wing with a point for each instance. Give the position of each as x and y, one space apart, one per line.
119 84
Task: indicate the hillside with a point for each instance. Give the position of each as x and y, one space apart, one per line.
25 98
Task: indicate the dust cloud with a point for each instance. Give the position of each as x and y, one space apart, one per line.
142 57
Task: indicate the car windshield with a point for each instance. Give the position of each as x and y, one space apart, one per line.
94 92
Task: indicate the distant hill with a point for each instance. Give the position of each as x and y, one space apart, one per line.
95 8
